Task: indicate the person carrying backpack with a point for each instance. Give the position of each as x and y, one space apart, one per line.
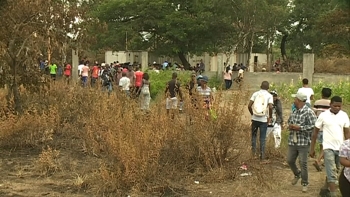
275 127
260 107
106 81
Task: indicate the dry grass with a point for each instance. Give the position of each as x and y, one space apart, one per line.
147 153
333 65
48 162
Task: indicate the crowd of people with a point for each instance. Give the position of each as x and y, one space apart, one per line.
228 75
324 122
136 84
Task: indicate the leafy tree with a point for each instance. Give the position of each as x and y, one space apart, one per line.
334 26
316 26
167 27
31 28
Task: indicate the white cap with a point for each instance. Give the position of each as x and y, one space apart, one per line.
301 96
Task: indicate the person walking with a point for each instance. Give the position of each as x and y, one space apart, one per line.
172 90
145 92
205 97
260 108
320 106
307 91
335 125
228 78
53 71
344 178
85 74
124 84
138 81
275 127
67 72
300 125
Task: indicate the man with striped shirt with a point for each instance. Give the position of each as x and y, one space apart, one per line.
205 94
319 107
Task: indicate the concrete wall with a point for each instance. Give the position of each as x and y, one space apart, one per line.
212 63
329 78
123 56
152 57
253 79
278 78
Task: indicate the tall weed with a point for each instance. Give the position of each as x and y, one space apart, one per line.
138 151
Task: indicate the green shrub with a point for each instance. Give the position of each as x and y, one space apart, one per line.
216 82
159 80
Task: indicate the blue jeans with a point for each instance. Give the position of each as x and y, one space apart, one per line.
331 163
108 87
84 80
228 84
262 126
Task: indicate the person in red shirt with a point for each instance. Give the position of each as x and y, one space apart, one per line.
125 70
138 81
94 74
67 72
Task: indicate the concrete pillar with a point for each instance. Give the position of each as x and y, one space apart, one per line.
308 66
144 60
75 63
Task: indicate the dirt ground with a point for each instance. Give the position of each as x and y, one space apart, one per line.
21 178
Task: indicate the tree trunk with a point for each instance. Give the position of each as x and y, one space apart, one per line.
14 91
184 60
228 57
283 47
268 65
49 50
230 52
251 42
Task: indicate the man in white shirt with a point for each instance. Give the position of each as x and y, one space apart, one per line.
240 73
260 107
307 91
80 67
335 125
124 84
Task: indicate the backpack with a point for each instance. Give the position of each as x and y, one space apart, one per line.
260 105
105 79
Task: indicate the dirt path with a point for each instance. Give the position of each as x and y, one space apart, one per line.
281 172
241 186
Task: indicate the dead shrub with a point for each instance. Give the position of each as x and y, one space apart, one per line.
138 151
48 162
31 129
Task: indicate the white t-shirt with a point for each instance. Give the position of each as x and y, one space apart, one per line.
332 126
124 82
307 91
240 72
268 99
80 68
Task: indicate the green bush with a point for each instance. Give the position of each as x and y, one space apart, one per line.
216 82
159 80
